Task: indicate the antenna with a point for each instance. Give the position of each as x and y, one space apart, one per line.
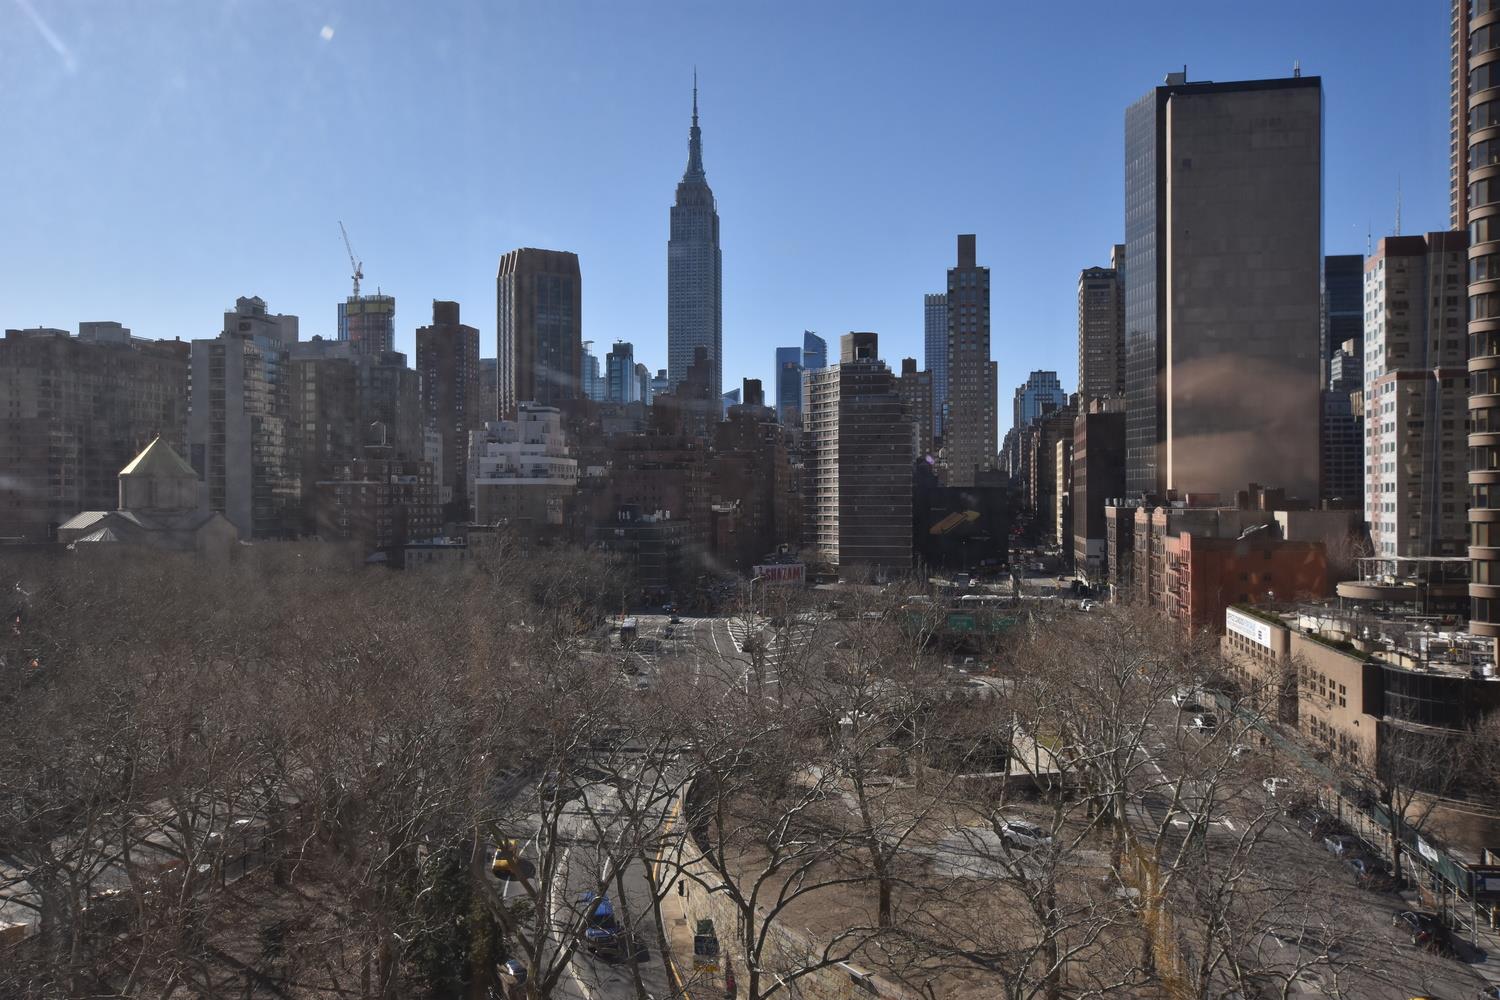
1296 68
1398 204
354 263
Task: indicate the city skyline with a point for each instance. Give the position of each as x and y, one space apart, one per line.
131 244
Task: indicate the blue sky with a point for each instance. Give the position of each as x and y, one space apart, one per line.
162 158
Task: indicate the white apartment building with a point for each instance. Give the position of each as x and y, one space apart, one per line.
522 469
1416 395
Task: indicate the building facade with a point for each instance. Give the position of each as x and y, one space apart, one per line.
538 328
1222 305
1415 395
239 436
969 433
1343 304
695 314
522 473
593 377
857 463
73 412
368 323
1101 330
1476 201
1039 395
814 351
916 394
789 385
935 353
380 502
752 476
448 359
1098 479
620 382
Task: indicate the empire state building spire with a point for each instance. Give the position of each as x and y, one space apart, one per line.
694 170
695 316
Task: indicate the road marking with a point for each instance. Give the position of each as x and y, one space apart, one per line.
561 876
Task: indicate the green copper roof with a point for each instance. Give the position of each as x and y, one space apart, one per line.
159 460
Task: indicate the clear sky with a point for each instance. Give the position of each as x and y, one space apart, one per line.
161 158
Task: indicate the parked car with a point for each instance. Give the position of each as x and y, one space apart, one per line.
1342 845
1425 929
676 619
1275 786
1023 835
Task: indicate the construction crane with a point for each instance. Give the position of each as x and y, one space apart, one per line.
353 262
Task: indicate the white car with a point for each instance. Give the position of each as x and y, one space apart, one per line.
1019 834
1275 786
1205 721
1087 605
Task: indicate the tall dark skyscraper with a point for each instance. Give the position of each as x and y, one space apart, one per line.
789 385
1222 374
448 358
935 353
695 313
1343 304
539 328
1101 329
969 429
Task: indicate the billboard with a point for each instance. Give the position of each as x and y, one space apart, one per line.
788 573
1251 628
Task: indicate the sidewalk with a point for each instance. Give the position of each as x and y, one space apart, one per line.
679 960
1487 965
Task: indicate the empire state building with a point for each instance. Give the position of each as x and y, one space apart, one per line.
695 314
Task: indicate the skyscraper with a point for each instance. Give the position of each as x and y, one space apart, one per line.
448 358
1222 374
814 351
1343 304
1039 395
1101 330
915 388
695 315
1475 197
789 385
857 461
969 432
238 436
1415 395
935 353
368 322
539 328
593 379
620 382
